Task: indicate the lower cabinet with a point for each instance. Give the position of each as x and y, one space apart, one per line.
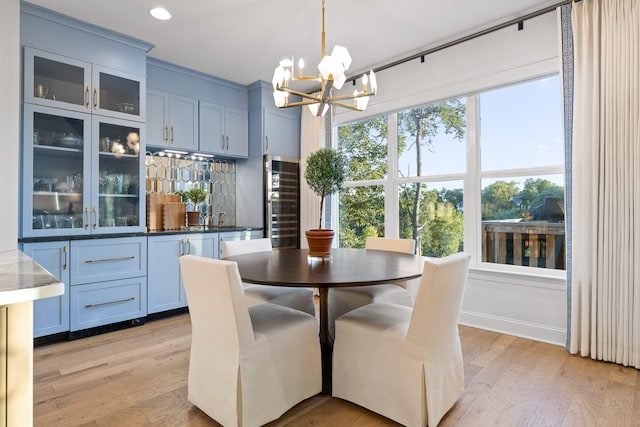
102 303
165 290
51 315
108 281
105 282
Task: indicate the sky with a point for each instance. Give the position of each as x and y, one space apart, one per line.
521 127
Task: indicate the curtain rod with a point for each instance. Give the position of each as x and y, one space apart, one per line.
470 37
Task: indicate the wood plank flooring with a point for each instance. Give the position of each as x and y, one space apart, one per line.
138 377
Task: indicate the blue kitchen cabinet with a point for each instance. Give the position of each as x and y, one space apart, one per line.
81 173
281 134
223 130
97 304
220 110
272 131
62 82
165 288
108 281
172 121
51 315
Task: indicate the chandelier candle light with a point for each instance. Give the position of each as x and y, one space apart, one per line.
332 75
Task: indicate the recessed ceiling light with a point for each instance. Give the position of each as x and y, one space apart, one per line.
160 13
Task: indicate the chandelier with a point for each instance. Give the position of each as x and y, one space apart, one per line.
332 75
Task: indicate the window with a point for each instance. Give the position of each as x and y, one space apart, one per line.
362 203
409 172
522 156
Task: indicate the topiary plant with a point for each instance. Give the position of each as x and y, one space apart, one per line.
325 173
196 195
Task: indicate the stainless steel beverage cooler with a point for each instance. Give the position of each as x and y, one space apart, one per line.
282 196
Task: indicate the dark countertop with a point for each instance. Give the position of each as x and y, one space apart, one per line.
188 230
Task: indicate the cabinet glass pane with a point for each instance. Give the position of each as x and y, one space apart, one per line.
119 94
58 81
118 178
58 149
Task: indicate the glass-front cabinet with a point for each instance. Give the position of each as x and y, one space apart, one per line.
81 173
116 182
57 81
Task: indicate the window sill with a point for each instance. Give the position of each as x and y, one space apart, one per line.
523 276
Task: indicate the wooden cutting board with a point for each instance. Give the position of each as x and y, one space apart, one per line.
173 215
154 209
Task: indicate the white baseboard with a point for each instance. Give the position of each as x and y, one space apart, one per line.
537 332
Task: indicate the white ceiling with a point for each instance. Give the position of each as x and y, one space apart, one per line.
243 40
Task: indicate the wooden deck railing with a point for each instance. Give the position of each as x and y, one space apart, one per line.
530 243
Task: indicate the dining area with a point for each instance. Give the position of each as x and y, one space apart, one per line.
386 336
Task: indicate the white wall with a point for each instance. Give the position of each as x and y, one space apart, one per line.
513 303
9 121
498 58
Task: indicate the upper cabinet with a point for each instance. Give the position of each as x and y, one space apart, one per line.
223 130
272 131
61 82
172 121
81 173
83 144
201 113
281 134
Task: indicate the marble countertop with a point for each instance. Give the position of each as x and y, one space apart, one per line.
22 279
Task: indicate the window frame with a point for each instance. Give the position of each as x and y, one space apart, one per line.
472 184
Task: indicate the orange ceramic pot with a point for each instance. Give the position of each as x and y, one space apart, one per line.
193 218
319 242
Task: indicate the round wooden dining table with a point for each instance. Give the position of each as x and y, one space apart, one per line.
345 267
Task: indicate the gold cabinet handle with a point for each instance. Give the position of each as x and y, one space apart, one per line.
227 137
124 258
181 247
86 214
95 98
266 146
109 303
222 142
95 218
64 251
166 134
188 247
86 96
172 134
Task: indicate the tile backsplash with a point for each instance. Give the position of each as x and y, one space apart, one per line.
166 175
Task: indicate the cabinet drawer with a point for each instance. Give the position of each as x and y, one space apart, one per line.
100 260
107 302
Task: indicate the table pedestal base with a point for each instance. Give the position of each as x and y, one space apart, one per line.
326 343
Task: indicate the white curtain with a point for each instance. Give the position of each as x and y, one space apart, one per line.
605 294
311 139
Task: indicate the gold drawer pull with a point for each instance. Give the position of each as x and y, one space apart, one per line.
109 303
89 261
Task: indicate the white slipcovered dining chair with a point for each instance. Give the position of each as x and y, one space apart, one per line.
297 298
248 365
343 300
401 362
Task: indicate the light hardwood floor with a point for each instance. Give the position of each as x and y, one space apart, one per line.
138 377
